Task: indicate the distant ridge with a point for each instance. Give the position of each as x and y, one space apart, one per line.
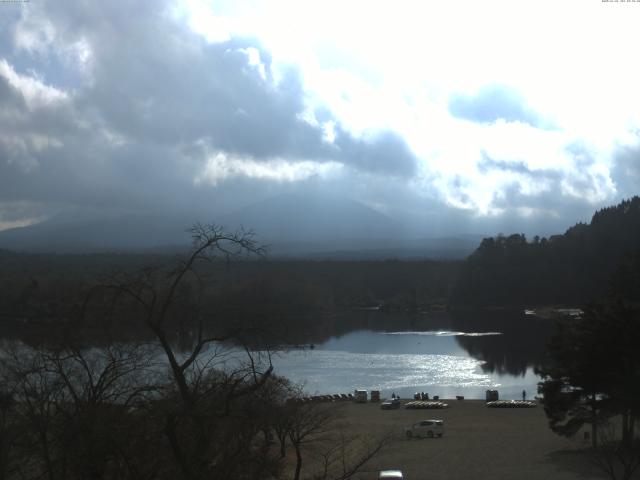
293 226
111 233
304 218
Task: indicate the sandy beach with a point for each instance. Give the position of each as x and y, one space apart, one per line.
479 443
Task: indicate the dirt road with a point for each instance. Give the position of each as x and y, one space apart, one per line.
479 443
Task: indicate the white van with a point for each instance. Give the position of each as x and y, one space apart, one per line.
360 396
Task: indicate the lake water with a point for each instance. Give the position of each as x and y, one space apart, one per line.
445 354
404 362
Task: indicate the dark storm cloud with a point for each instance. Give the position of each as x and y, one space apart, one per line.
386 153
493 103
155 100
155 81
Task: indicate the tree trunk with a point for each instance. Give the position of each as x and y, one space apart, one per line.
4 460
594 422
178 374
625 429
46 454
178 454
283 447
298 463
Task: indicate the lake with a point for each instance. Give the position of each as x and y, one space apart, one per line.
456 354
443 353
401 363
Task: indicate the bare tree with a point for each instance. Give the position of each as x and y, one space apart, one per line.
197 421
618 458
346 455
10 434
316 429
156 292
309 423
73 409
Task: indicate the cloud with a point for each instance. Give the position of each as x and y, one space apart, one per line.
19 214
544 213
222 167
9 97
492 103
121 105
547 199
384 152
626 170
519 167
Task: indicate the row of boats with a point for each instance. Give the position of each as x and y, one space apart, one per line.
511 404
336 397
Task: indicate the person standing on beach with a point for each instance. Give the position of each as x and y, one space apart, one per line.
524 395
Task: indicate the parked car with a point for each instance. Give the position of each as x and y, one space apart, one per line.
390 474
426 428
390 404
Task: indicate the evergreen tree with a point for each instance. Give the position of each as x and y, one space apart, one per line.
564 269
593 370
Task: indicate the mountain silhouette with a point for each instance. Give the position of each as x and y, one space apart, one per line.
313 218
66 234
327 221
291 225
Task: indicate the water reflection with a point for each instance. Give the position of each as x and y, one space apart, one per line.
458 353
507 342
520 347
463 353
336 371
367 341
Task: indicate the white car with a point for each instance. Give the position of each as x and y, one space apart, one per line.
390 474
426 428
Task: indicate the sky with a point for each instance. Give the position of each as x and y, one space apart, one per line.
451 117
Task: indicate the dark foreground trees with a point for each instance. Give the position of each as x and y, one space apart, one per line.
187 405
592 377
594 370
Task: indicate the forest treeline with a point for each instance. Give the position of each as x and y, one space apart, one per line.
38 290
568 269
511 271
